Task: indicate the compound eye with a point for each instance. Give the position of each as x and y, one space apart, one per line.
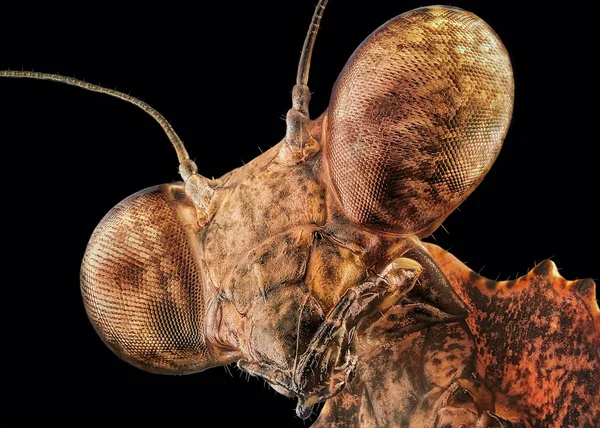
416 119
141 285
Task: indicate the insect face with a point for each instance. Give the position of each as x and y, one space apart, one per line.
184 277
278 264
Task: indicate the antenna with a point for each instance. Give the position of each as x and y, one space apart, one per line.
309 42
197 187
165 125
300 145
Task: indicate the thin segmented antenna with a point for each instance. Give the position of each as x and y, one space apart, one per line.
309 42
300 145
165 125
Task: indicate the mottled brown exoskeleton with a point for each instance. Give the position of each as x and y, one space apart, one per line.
305 266
528 354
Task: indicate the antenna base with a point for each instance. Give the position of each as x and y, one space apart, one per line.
299 144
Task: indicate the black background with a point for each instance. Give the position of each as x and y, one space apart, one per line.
222 73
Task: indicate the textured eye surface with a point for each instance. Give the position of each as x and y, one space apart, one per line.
416 119
142 288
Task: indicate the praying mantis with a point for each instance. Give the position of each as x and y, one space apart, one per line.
451 228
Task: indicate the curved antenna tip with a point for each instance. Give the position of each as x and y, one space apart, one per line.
309 42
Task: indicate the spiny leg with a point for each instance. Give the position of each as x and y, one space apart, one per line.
374 296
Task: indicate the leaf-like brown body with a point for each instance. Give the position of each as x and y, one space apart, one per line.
529 353
538 338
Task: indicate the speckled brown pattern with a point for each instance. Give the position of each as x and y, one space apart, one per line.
538 338
412 379
417 117
527 355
